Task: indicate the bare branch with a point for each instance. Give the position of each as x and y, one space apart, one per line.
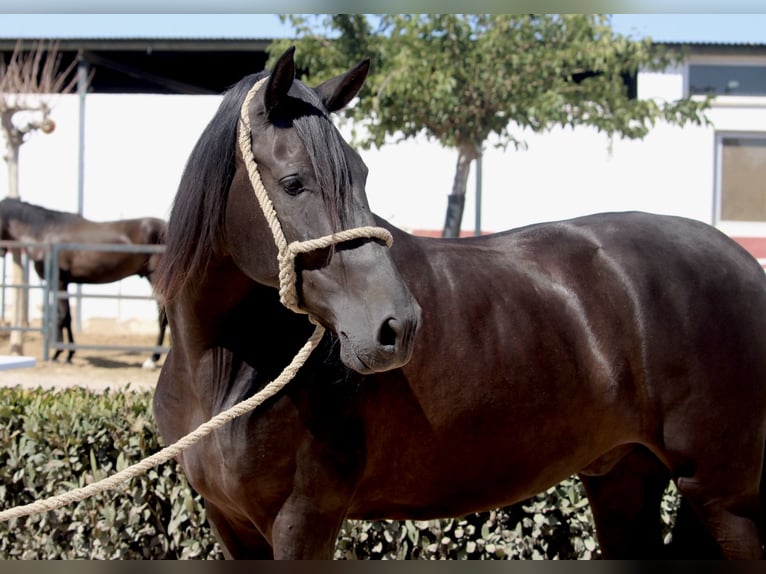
30 78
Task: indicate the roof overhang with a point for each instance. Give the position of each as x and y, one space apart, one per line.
159 65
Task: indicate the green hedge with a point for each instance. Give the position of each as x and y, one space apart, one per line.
54 441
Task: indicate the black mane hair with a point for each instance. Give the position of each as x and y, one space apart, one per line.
197 217
325 148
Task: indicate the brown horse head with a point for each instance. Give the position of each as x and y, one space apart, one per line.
316 184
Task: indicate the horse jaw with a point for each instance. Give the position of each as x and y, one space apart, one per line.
369 308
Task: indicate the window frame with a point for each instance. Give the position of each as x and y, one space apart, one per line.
757 227
723 100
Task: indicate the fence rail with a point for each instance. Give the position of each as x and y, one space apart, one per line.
51 296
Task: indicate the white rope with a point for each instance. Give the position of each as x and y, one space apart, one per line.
289 298
173 450
286 253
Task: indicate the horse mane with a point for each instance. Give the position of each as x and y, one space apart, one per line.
196 220
40 219
325 148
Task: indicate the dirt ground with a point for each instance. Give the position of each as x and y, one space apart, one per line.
93 369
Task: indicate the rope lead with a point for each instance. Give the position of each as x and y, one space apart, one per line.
288 297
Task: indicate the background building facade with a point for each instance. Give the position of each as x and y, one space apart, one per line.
134 142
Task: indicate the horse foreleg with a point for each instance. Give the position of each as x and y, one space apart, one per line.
307 524
302 531
239 539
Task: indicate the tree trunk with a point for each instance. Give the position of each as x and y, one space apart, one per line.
456 200
21 297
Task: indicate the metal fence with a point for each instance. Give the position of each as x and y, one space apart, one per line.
51 296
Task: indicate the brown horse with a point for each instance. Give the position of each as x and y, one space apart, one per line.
22 221
627 348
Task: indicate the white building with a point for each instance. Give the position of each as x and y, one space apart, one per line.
135 147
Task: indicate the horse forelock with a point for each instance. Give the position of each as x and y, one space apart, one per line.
324 146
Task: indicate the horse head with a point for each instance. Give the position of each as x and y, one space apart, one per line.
316 184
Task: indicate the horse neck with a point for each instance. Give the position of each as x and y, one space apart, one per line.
21 230
225 329
27 222
210 296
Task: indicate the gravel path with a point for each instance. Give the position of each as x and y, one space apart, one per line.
95 370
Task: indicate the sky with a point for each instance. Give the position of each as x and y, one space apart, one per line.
666 27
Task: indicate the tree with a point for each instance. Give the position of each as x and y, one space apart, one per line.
461 78
28 81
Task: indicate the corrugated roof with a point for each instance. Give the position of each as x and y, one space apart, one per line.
716 44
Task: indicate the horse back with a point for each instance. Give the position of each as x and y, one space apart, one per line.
666 292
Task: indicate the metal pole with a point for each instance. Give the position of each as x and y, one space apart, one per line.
477 227
2 293
82 91
46 331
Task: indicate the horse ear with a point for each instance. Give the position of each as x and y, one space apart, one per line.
337 92
280 80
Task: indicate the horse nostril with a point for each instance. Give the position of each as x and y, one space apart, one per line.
389 332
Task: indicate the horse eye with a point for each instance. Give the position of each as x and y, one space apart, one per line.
292 185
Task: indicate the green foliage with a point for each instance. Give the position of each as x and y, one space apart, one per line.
459 78
556 524
54 441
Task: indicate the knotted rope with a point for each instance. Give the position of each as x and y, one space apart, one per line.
288 297
286 253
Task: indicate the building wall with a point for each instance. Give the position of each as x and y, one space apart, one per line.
137 145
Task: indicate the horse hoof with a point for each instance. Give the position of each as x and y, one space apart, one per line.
149 364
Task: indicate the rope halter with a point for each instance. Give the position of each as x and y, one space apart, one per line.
289 298
286 253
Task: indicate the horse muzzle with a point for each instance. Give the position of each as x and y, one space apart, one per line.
389 347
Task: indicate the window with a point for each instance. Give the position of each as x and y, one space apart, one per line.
727 79
741 178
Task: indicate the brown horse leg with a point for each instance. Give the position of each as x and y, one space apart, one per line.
730 512
625 501
64 325
67 326
239 540
691 540
301 532
718 471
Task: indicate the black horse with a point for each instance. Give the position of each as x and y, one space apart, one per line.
22 221
627 348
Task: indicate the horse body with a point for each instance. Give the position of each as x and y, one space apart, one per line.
22 221
626 348
555 346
